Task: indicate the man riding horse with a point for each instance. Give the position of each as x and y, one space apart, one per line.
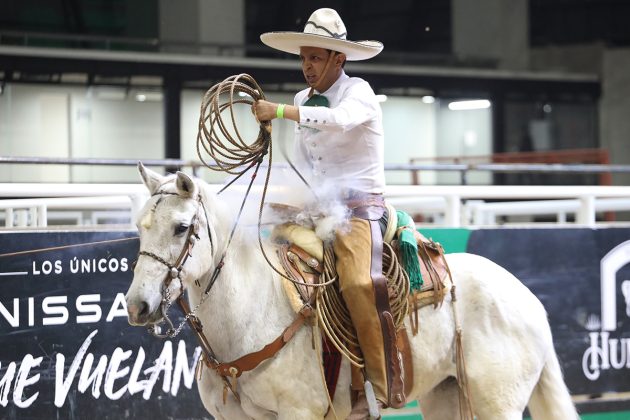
339 140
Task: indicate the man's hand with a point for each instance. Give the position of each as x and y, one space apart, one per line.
264 110
267 111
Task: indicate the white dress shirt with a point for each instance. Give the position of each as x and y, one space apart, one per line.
343 144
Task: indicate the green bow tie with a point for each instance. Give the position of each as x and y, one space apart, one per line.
317 100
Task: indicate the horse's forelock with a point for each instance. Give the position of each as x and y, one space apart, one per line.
147 220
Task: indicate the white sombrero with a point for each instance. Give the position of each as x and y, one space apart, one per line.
324 29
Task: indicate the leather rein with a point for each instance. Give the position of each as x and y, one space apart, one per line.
226 370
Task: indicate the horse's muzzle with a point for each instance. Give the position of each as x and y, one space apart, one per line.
138 314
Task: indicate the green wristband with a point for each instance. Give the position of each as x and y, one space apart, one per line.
280 111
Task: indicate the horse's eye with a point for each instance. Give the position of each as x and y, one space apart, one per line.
181 228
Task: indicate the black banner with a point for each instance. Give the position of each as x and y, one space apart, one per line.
66 349
582 276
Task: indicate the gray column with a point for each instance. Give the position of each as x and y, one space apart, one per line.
223 23
205 25
614 130
172 119
494 30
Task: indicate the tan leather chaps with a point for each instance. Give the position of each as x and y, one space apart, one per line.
364 289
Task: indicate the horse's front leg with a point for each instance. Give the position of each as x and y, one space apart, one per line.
303 403
300 413
211 393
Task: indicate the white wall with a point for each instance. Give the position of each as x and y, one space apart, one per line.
123 129
50 121
33 122
410 130
61 121
463 133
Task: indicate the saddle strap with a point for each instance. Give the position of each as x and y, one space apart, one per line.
249 362
306 258
291 258
395 382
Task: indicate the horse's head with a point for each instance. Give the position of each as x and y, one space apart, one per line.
176 245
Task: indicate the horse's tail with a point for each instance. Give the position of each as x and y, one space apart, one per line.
551 399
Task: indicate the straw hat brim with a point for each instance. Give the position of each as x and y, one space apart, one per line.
291 42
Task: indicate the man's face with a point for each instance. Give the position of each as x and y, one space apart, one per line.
313 64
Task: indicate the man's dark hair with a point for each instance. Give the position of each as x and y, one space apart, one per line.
344 61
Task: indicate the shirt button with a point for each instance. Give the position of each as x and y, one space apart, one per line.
315 121
319 158
324 122
308 120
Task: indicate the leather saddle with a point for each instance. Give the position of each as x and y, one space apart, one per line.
301 254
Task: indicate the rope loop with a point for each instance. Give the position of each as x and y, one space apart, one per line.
333 315
219 137
225 145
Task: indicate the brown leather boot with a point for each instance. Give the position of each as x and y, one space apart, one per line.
360 409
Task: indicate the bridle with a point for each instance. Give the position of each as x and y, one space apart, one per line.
174 270
225 370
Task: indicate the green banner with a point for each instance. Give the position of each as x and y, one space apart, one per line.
452 240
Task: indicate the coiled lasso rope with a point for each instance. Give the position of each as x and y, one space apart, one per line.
222 141
333 315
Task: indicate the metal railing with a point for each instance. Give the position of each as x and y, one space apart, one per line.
569 161
449 206
166 163
30 204
549 168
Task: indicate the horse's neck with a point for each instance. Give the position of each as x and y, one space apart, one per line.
246 308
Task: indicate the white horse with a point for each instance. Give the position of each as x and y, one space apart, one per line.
509 353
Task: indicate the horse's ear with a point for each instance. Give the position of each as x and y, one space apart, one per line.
185 185
152 180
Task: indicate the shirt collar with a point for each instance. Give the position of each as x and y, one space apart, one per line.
335 86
